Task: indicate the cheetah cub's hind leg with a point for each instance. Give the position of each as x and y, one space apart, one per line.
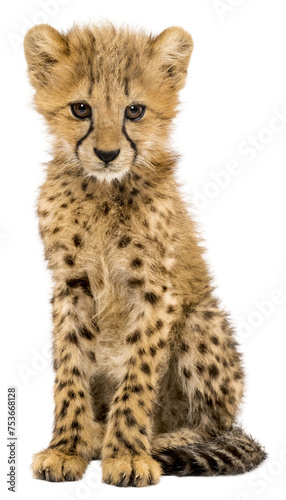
211 375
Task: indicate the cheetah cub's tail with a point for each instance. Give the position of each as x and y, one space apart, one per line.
233 452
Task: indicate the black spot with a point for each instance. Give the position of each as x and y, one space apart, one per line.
75 371
61 430
187 372
200 368
126 443
89 196
214 340
161 344
59 443
56 230
188 308
71 394
213 371
124 242
62 385
63 293
91 356
141 352
237 376
66 357
202 348
149 331
85 333
135 191
208 314
140 444
82 282
145 368
139 245
105 208
224 326
64 205
133 337
130 421
73 447
69 260
147 184
136 263
137 388
184 347
152 350
119 201
84 185
151 297
77 240
64 408
72 338
224 390
75 425
159 324
81 394
77 411
143 431
134 282
147 200
170 309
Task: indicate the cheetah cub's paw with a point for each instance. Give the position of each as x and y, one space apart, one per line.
126 470
54 465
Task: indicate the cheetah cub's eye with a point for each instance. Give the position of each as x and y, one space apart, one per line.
81 110
135 112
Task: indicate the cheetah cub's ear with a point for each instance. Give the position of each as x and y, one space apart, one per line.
171 52
44 47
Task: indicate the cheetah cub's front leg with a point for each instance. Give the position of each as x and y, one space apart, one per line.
76 435
126 450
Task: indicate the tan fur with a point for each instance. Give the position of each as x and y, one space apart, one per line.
144 355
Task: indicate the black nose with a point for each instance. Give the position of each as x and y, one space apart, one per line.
106 156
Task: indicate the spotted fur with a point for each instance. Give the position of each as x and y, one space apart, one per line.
148 375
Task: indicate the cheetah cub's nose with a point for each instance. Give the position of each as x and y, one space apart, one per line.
106 156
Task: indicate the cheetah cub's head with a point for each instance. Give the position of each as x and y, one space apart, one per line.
108 95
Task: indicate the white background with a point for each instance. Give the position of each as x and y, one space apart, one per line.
236 86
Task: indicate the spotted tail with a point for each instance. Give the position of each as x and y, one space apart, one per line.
233 452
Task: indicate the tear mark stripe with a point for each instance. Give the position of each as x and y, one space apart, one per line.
79 143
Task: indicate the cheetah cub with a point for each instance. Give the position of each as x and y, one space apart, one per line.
148 376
